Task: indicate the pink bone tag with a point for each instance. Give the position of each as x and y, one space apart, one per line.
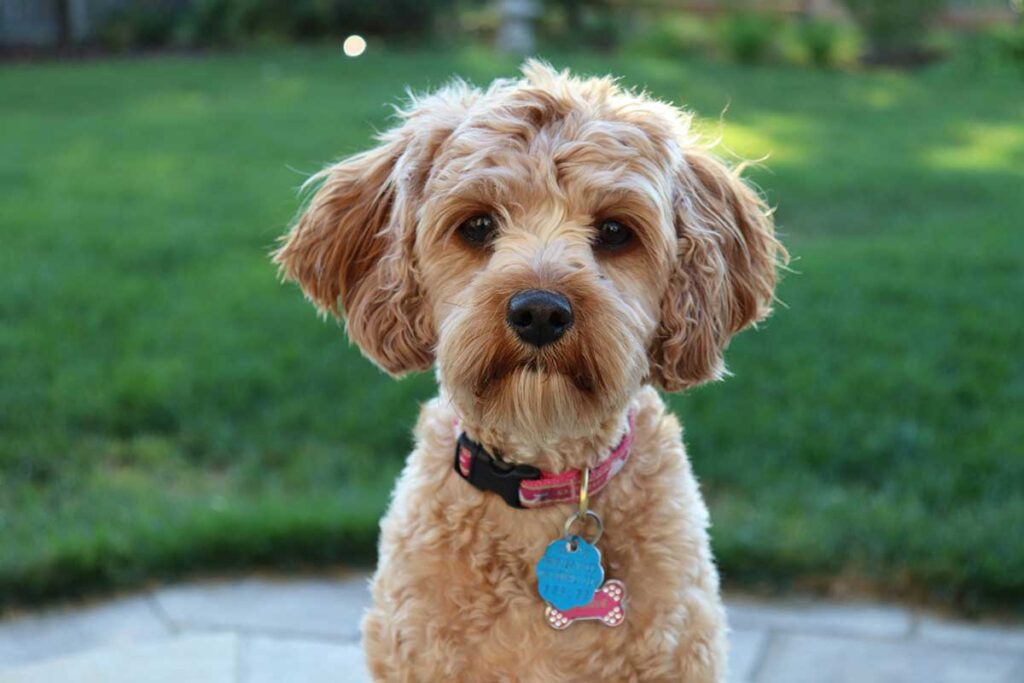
608 606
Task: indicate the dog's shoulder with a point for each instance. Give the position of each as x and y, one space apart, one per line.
436 428
654 421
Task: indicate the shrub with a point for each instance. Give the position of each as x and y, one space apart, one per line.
972 52
819 41
480 22
599 28
581 23
749 37
677 35
149 23
988 50
895 28
1010 39
141 24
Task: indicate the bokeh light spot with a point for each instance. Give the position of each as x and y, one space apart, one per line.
354 46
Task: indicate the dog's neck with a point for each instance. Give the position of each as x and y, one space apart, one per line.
551 452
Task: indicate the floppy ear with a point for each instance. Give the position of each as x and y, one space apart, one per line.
355 239
724 276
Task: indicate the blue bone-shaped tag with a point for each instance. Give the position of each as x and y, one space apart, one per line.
569 573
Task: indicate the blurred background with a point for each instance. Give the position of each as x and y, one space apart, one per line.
168 407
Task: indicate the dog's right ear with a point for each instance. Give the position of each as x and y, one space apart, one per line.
354 241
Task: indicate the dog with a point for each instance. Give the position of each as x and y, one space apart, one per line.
557 248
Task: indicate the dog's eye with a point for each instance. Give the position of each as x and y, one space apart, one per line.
612 235
479 230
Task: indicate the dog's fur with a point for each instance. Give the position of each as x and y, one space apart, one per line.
548 155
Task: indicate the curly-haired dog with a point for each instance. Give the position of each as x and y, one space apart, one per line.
557 246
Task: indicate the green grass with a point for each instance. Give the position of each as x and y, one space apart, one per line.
167 406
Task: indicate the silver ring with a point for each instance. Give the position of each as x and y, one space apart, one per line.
576 517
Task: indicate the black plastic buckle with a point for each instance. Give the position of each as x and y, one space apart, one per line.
490 474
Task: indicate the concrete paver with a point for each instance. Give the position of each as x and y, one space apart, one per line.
275 660
829 659
746 648
64 631
984 637
260 630
210 658
865 620
306 607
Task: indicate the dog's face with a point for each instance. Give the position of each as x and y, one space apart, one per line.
552 242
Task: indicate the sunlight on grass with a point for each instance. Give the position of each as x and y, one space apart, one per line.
880 97
775 139
981 147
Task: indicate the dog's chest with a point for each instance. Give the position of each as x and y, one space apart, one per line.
456 589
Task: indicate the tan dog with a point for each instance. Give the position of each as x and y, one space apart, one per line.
557 245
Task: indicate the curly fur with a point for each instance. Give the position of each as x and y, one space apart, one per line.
548 155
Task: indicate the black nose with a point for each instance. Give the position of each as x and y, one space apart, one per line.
539 316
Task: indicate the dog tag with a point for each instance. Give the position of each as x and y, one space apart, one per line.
569 573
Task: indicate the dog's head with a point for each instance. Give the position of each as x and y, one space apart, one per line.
552 242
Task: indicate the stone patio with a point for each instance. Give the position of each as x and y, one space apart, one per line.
306 631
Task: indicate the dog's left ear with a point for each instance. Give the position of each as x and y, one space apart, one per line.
724 276
355 240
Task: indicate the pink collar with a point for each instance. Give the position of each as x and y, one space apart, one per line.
525 486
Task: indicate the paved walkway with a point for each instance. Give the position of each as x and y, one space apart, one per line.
306 631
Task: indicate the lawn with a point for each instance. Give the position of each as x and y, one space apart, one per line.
167 406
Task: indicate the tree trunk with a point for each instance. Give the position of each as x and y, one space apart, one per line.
63 22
